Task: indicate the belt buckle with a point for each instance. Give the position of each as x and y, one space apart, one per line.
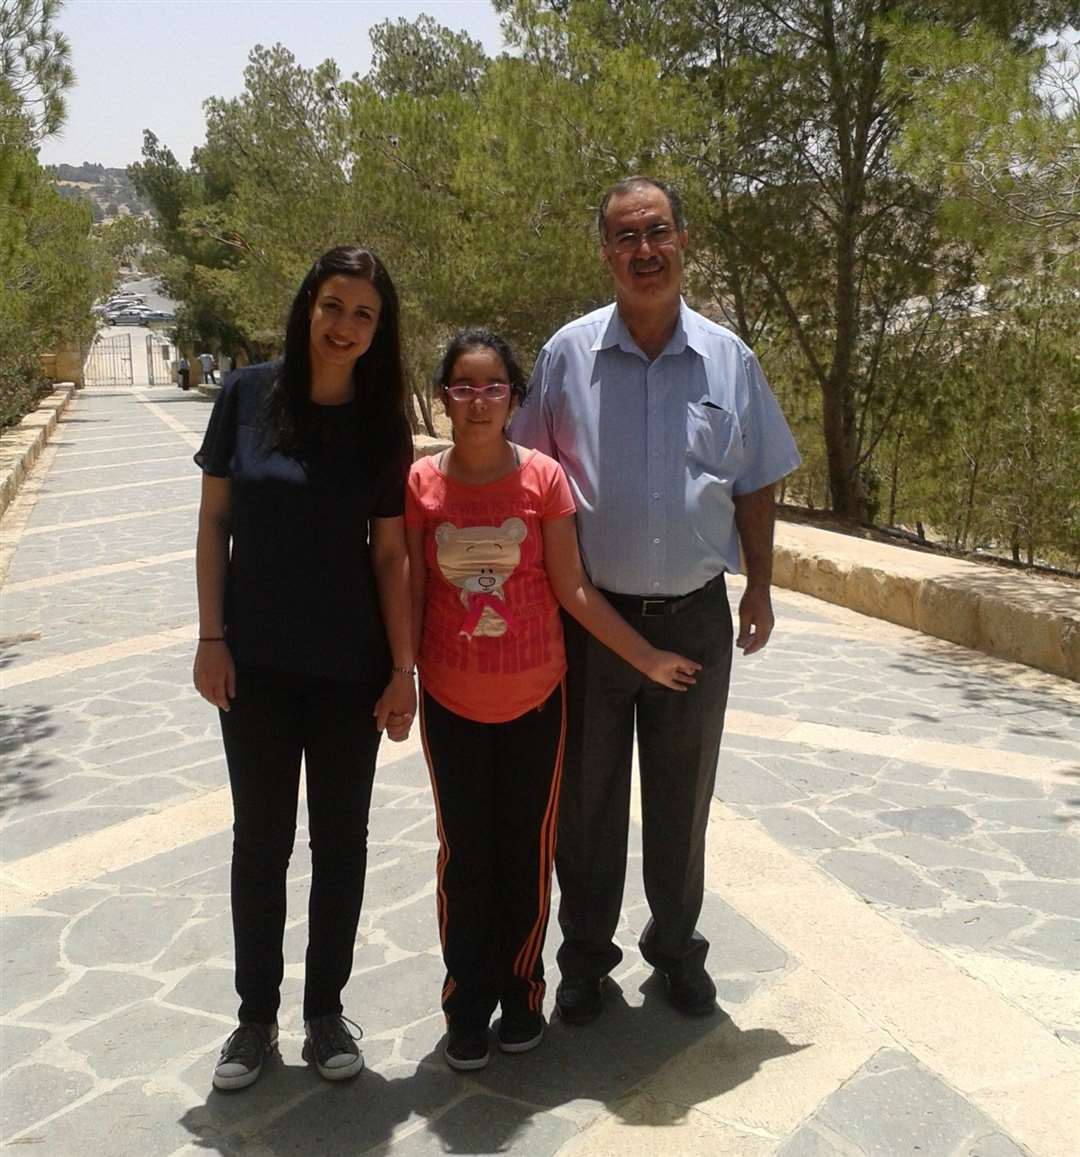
648 604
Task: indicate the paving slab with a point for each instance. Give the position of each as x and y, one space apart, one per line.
891 1106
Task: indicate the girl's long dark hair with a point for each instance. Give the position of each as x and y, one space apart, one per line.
470 339
379 375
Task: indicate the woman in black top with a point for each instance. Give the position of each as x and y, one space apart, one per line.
304 633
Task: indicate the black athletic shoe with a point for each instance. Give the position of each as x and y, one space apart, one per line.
519 1032
242 1055
330 1045
465 1050
579 1001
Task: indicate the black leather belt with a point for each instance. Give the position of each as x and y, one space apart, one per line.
647 605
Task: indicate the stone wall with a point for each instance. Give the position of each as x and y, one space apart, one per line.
1015 616
64 365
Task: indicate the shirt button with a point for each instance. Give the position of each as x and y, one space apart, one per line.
656 494
656 542
656 586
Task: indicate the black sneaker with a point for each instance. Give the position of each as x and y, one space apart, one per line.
331 1046
579 1000
242 1055
519 1032
466 1050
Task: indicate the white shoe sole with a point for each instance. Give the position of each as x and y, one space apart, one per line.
240 1081
227 1081
522 1046
335 1072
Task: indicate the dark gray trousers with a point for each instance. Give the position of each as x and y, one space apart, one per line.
679 742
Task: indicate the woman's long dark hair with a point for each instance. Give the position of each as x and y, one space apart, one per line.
379 374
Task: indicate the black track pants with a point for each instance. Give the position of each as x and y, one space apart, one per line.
496 789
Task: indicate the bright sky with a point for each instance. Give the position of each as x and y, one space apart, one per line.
149 64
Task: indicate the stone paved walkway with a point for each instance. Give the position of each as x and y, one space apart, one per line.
893 887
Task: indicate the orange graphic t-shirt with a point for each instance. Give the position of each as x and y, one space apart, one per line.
492 646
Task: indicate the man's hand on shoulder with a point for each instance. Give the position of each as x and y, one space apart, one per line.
755 619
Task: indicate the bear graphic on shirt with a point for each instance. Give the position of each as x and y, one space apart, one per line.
478 560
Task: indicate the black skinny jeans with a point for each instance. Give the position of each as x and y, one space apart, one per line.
275 719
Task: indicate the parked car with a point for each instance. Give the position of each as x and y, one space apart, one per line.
128 317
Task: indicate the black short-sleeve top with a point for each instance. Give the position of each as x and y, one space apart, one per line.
300 593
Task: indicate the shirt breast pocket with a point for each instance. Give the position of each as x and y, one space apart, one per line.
713 440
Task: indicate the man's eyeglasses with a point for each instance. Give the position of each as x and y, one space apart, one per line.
628 240
493 392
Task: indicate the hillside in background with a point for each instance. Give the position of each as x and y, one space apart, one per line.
109 191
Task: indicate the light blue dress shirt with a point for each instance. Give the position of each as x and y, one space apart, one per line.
655 451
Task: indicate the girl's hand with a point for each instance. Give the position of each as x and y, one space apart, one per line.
396 707
670 670
398 731
214 673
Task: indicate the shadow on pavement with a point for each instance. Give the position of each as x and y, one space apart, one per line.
23 732
182 398
579 1070
605 1063
965 674
290 1110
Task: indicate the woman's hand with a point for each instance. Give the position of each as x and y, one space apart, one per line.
214 673
670 670
396 707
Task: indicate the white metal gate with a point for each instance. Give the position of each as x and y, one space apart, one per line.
158 369
109 362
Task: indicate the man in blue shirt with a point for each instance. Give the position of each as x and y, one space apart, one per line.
672 442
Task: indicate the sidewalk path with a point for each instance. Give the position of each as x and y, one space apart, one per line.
894 887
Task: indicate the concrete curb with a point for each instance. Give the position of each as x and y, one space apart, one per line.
1019 617
20 445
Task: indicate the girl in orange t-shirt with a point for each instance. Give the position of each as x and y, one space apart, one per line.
493 555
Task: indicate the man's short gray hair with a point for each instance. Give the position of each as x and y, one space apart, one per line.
628 185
